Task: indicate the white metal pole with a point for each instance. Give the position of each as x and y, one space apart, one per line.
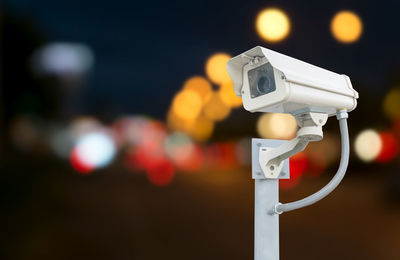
266 196
266 223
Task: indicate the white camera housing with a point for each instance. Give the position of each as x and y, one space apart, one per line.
269 81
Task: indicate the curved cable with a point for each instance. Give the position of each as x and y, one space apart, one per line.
322 193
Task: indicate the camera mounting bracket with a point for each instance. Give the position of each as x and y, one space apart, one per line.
310 130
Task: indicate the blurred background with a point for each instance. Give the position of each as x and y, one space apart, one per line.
122 138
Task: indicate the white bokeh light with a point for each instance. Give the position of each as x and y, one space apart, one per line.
63 59
96 149
368 145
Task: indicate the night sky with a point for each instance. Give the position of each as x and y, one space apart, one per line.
145 50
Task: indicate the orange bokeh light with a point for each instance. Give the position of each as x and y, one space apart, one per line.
187 104
216 68
215 109
273 24
346 26
200 85
228 96
201 129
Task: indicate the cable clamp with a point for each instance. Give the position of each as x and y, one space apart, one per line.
276 211
342 114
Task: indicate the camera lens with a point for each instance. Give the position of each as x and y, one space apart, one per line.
261 80
263 85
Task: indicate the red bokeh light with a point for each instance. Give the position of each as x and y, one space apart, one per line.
298 165
227 159
221 156
389 147
161 173
145 156
316 164
192 162
396 126
78 164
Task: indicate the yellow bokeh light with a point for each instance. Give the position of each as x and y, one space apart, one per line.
228 96
201 129
391 104
200 85
216 68
273 24
176 123
215 109
346 26
277 126
368 145
187 104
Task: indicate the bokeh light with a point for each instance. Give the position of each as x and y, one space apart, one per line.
176 123
322 154
228 95
368 145
329 146
391 104
187 104
145 156
298 164
83 125
243 151
63 59
95 149
346 26
222 155
78 164
178 146
389 147
396 126
215 109
193 162
161 173
216 68
135 130
317 163
273 24
276 126
201 129
61 142
200 85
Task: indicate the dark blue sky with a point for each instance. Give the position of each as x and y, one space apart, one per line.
146 49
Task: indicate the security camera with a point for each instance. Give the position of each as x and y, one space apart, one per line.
269 81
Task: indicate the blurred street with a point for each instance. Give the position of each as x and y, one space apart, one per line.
119 215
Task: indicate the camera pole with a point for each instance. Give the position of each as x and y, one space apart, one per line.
270 162
266 222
